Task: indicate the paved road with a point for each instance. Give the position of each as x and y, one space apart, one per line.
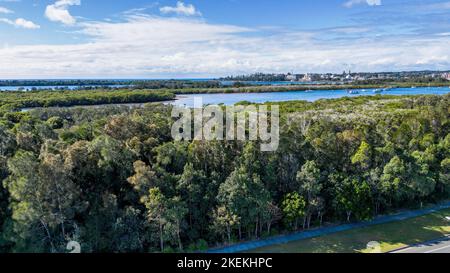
437 246
248 246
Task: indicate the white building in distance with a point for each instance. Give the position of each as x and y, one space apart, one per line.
446 76
291 77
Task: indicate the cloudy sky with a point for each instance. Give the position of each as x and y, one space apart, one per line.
209 38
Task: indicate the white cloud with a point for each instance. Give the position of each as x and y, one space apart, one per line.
181 9
153 46
5 10
20 23
351 3
59 11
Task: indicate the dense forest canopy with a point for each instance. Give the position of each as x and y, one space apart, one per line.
18 100
113 179
79 82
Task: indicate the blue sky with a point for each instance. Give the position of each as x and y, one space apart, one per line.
209 38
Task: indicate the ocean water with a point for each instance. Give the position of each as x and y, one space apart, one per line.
230 99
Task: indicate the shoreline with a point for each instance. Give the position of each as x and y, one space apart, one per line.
274 89
259 88
368 92
241 92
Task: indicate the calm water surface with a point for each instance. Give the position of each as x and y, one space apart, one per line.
230 99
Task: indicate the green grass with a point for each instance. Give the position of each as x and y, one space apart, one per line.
391 236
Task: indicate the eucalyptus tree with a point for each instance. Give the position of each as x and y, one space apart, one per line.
310 187
44 200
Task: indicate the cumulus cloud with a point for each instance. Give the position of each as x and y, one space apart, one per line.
5 10
351 3
181 9
59 11
153 46
20 23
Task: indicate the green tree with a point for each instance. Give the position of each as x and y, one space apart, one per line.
55 122
393 179
7 142
421 182
353 198
309 180
43 196
176 211
128 231
246 197
144 178
294 208
363 156
444 175
167 214
224 221
191 186
155 203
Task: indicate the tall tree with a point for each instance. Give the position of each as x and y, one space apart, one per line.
191 186
310 186
393 179
155 203
363 156
246 197
353 197
294 208
43 196
167 214
224 221
144 178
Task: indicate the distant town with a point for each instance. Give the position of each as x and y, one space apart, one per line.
346 76
327 80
